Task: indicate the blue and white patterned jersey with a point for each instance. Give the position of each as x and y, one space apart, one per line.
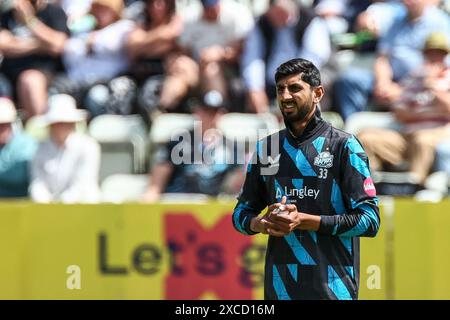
324 172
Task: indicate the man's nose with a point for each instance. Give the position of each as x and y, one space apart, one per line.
285 95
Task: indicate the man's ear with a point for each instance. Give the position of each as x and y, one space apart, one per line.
318 93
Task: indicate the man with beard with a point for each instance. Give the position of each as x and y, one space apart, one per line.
315 181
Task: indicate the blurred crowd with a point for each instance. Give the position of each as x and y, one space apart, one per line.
72 61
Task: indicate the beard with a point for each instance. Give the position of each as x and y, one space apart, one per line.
298 114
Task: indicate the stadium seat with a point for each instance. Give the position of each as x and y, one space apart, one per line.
345 59
123 143
334 118
370 119
271 121
118 188
247 127
166 124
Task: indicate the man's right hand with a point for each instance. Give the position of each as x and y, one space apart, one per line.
258 224
263 223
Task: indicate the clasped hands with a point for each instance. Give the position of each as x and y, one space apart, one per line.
277 224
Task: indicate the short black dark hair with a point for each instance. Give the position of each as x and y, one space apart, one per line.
309 72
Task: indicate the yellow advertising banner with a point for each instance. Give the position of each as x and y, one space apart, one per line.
188 251
126 252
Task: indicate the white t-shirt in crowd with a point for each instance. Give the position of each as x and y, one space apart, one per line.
234 23
108 57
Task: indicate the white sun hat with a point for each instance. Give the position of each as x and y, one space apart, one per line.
63 108
8 113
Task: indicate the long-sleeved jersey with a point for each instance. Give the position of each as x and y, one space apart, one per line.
324 172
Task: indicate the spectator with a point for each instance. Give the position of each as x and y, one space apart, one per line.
16 151
399 51
379 17
369 25
340 14
66 165
152 48
187 175
215 41
354 8
95 61
423 111
284 32
32 37
5 85
80 19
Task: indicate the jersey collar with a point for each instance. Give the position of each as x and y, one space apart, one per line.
314 125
